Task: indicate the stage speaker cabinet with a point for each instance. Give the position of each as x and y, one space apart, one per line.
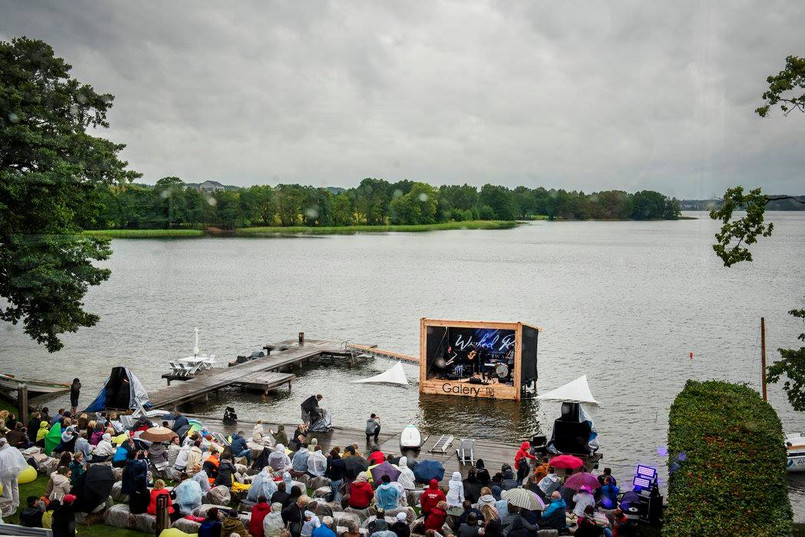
570 412
571 436
452 376
476 380
539 440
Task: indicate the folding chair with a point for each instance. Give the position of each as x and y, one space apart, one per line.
466 451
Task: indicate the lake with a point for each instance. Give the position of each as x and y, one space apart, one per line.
622 302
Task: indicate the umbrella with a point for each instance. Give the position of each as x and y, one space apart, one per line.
583 479
354 465
523 498
385 469
158 434
427 470
96 488
566 461
53 438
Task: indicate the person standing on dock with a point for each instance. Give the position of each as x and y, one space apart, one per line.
310 408
75 391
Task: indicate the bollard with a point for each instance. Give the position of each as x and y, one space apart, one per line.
301 338
163 520
22 403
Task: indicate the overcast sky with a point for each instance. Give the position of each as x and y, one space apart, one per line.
584 95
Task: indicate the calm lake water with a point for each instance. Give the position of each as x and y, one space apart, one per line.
622 302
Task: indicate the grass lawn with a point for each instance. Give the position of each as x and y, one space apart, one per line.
145 233
37 488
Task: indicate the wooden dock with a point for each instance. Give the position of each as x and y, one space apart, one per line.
373 351
264 373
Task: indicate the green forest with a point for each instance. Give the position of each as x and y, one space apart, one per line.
172 204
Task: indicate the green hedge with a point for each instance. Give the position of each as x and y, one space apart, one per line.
727 464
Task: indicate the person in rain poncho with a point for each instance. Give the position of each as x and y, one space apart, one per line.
41 433
11 464
262 485
299 461
188 495
387 496
311 523
406 477
104 450
201 477
316 462
278 460
173 451
272 523
549 483
432 496
455 491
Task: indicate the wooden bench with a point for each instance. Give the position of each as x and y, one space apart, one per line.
13 529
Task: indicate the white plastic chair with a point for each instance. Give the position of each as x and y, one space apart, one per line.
466 451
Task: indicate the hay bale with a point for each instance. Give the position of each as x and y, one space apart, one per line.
341 517
186 525
119 516
219 495
318 482
413 496
410 514
117 493
145 523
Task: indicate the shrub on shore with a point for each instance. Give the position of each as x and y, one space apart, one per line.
727 464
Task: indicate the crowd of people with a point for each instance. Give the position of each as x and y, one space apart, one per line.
269 472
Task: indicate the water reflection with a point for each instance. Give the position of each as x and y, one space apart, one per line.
508 421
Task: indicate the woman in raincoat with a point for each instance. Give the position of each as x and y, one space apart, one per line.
262 485
406 477
44 428
272 523
11 464
455 491
188 495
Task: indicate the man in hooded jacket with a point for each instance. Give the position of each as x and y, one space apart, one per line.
431 497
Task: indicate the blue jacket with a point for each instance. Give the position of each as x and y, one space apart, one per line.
323 531
209 528
299 461
387 496
238 444
179 422
556 510
121 454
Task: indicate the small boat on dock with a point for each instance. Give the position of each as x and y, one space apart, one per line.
795 446
9 383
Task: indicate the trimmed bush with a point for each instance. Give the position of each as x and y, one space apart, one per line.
727 464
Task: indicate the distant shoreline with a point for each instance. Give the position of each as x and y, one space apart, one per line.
274 231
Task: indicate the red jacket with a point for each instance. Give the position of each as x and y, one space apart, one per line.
524 451
259 512
432 496
376 457
435 519
360 494
152 505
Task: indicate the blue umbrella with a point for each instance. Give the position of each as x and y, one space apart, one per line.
427 470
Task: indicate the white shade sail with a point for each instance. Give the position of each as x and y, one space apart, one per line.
395 375
576 391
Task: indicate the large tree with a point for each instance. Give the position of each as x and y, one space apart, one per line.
50 166
738 233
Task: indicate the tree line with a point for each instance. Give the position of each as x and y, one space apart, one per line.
173 204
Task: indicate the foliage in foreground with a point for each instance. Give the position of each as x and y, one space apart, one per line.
50 168
727 464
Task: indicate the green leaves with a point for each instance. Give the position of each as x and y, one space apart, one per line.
727 464
49 170
742 231
781 85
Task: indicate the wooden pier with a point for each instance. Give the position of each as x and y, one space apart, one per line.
373 351
264 373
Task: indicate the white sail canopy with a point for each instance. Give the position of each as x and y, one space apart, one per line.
395 375
576 391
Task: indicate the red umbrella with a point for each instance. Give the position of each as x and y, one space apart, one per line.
566 461
581 480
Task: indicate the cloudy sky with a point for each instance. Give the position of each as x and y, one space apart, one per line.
584 95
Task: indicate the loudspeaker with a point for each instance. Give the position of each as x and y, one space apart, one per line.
570 412
571 436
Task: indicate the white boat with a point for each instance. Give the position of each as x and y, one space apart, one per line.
35 386
795 445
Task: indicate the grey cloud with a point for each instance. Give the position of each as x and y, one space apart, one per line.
582 95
